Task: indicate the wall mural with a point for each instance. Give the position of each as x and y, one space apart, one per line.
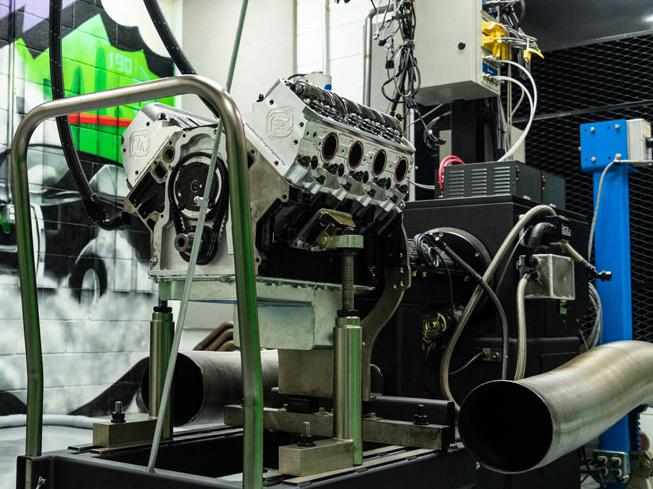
95 296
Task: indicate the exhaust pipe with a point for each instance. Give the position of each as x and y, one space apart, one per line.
205 381
517 426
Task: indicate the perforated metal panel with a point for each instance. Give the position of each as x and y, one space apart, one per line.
611 80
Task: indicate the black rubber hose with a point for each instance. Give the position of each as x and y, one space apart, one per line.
92 204
170 43
168 38
490 293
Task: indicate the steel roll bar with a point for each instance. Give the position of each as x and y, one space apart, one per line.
216 96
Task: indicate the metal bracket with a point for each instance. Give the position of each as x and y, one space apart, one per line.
491 355
319 232
555 277
611 467
641 463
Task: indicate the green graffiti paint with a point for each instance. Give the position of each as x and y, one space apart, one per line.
91 64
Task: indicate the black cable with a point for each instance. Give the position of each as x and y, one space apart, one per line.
91 202
424 247
506 267
431 135
469 363
168 38
170 43
407 77
490 293
448 272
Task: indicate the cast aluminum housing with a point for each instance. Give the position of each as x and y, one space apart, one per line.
308 149
299 136
324 143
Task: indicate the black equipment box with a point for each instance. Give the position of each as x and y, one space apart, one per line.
410 369
504 178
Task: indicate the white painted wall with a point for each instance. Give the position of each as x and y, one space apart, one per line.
266 54
345 42
85 350
266 51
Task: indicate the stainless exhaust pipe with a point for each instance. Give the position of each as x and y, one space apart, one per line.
205 381
517 426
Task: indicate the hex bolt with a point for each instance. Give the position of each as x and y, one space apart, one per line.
306 436
592 129
617 127
420 418
593 159
117 416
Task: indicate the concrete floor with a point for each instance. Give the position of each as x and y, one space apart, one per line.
12 443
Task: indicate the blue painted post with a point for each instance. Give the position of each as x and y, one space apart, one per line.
600 145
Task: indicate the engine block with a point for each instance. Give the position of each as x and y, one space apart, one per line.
310 152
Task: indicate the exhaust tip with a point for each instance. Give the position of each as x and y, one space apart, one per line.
187 390
506 426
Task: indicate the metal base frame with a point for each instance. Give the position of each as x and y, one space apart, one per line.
212 458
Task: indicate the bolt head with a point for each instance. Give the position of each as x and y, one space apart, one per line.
592 129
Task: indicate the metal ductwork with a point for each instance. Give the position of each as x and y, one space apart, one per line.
513 427
205 381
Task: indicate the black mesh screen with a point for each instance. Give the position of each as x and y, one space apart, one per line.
610 80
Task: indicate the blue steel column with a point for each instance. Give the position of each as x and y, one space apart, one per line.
600 144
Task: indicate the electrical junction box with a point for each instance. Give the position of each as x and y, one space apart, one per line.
450 56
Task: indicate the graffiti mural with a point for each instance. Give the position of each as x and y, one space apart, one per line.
95 296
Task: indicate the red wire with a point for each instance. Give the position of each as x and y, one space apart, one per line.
446 161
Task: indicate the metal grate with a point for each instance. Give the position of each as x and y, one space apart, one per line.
610 80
